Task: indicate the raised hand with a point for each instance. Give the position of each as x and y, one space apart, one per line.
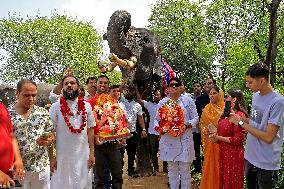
113 58
67 72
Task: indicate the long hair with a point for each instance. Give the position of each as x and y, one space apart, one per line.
240 104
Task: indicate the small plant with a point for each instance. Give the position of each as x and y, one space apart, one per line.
196 178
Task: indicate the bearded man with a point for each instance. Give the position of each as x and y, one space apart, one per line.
74 122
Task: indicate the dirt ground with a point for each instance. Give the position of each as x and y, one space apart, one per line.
152 182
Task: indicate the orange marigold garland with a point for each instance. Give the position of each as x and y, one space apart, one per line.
115 127
171 119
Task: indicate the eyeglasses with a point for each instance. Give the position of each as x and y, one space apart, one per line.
174 85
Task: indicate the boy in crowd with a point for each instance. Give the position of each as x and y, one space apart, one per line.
265 130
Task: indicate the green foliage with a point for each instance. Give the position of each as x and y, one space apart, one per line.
41 48
252 49
232 34
281 171
196 36
180 27
230 23
279 84
239 57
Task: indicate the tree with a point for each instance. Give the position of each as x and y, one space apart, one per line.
271 52
229 35
254 48
41 48
185 44
230 22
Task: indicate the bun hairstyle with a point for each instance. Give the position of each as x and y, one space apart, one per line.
240 104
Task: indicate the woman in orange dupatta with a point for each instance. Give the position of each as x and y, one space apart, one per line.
212 112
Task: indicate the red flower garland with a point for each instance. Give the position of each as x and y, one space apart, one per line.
65 110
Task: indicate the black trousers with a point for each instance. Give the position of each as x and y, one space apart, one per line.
110 152
257 178
131 149
197 144
154 147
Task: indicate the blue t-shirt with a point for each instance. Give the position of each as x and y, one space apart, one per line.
266 109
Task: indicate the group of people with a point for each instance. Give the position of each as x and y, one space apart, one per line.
224 135
59 148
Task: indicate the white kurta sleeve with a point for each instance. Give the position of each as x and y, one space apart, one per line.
147 104
90 116
193 115
157 117
53 113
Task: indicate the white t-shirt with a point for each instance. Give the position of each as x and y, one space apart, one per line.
266 109
152 109
132 110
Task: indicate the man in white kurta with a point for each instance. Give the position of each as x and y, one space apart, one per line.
74 151
178 151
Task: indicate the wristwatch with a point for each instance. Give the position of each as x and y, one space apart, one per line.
143 129
241 123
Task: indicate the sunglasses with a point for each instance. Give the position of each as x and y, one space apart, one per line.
174 85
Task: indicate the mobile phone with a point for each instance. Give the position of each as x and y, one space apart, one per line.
17 183
227 109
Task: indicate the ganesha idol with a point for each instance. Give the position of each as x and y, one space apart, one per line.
115 125
171 119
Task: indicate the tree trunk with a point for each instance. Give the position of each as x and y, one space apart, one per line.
223 77
143 161
272 44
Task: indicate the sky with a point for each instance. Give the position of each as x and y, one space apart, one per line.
97 12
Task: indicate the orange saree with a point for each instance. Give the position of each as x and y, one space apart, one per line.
210 169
